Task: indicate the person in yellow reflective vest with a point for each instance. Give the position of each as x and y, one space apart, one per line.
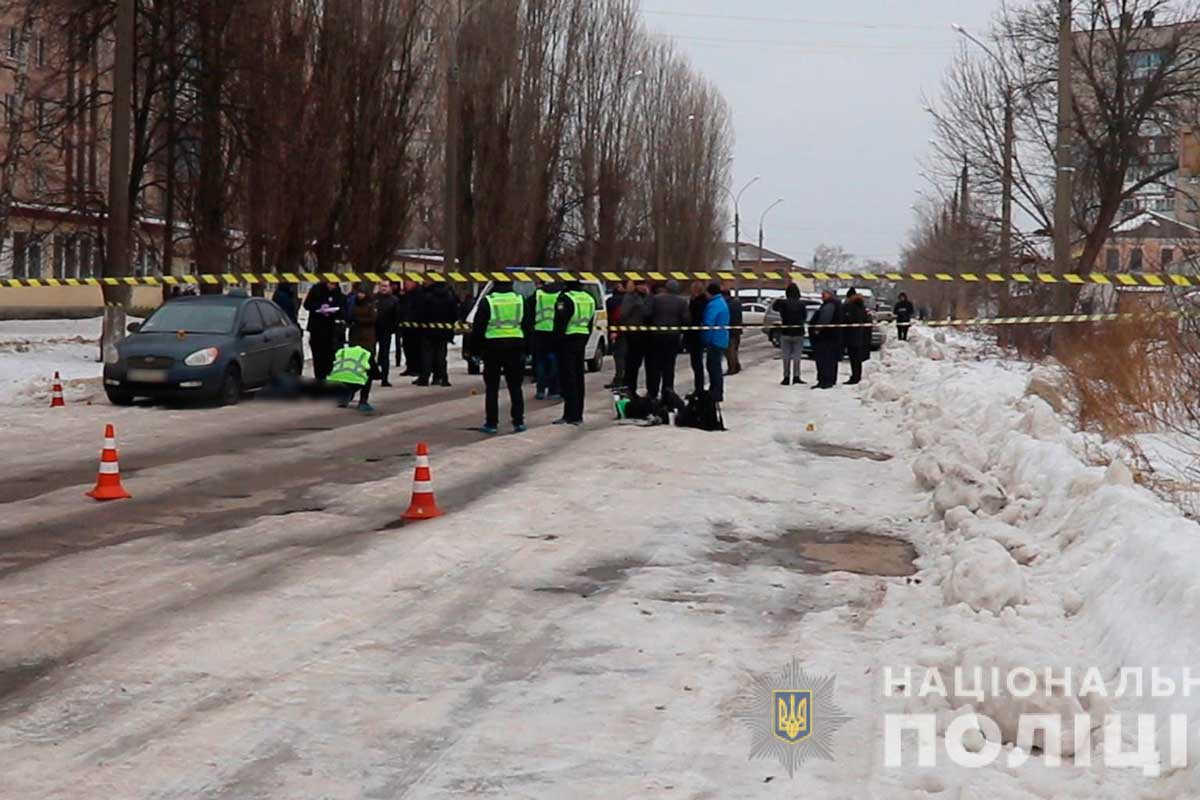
500 333
352 370
574 318
541 306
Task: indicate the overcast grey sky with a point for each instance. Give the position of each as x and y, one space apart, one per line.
826 100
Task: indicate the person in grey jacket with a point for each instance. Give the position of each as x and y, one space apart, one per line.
667 309
635 310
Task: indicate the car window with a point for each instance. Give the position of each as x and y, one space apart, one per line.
594 291
271 315
192 317
252 318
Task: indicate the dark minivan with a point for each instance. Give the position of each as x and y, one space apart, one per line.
212 347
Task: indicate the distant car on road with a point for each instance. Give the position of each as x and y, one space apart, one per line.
213 347
754 313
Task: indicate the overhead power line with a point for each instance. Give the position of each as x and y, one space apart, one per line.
862 25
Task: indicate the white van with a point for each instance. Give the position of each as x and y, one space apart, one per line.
597 347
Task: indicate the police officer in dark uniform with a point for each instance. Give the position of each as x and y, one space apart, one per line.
574 319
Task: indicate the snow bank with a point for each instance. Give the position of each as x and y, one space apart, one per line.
1045 560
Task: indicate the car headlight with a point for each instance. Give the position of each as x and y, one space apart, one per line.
202 358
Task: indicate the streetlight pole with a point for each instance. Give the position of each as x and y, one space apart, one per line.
1063 159
1007 156
761 222
737 218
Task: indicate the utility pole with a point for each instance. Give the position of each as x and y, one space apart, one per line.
116 298
1063 158
761 222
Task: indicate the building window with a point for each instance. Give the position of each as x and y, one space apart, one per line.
34 265
1112 260
1135 259
19 269
41 51
1168 257
14 43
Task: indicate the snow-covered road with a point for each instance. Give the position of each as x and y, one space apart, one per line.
584 625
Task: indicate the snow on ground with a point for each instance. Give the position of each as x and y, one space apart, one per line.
585 629
31 351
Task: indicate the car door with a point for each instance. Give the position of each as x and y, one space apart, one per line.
279 341
254 347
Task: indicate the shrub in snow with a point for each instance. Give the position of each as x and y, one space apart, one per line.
985 577
963 485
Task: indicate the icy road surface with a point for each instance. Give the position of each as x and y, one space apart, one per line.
580 625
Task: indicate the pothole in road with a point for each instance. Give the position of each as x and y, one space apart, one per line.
598 579
827 450
816 551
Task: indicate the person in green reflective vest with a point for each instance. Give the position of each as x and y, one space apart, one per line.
500 332
574 319
352 370
542 307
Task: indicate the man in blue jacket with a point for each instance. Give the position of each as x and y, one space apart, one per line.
716 315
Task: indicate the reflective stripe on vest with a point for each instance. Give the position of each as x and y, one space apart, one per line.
352 366
585 309
508 311
545 303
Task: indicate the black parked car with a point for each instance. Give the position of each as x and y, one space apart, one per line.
213 347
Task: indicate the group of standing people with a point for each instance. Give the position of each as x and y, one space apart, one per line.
351 335
837 328
709 309
557 320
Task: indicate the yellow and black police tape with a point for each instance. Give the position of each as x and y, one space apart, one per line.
977 322
270 279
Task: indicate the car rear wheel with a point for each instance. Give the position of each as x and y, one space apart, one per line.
231 387
596 362
119 397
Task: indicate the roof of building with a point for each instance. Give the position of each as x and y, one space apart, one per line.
751 254
1153 225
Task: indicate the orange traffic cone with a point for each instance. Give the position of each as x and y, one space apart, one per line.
56 394
108 483
424 505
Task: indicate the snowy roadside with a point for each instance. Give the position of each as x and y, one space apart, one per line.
31 351
585 629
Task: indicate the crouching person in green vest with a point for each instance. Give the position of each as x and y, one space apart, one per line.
352 369
575 315
500 332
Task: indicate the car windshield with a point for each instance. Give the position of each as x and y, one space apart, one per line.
192 317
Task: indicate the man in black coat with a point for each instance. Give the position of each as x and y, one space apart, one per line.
326 306
386 328
410 342
440 307
694 340
904 312
857 335
826 341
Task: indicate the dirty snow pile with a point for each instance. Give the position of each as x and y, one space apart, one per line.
31 351
1044 561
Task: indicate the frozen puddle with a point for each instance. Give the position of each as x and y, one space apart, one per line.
817 552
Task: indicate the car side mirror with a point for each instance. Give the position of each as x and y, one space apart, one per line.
250 329
134 327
